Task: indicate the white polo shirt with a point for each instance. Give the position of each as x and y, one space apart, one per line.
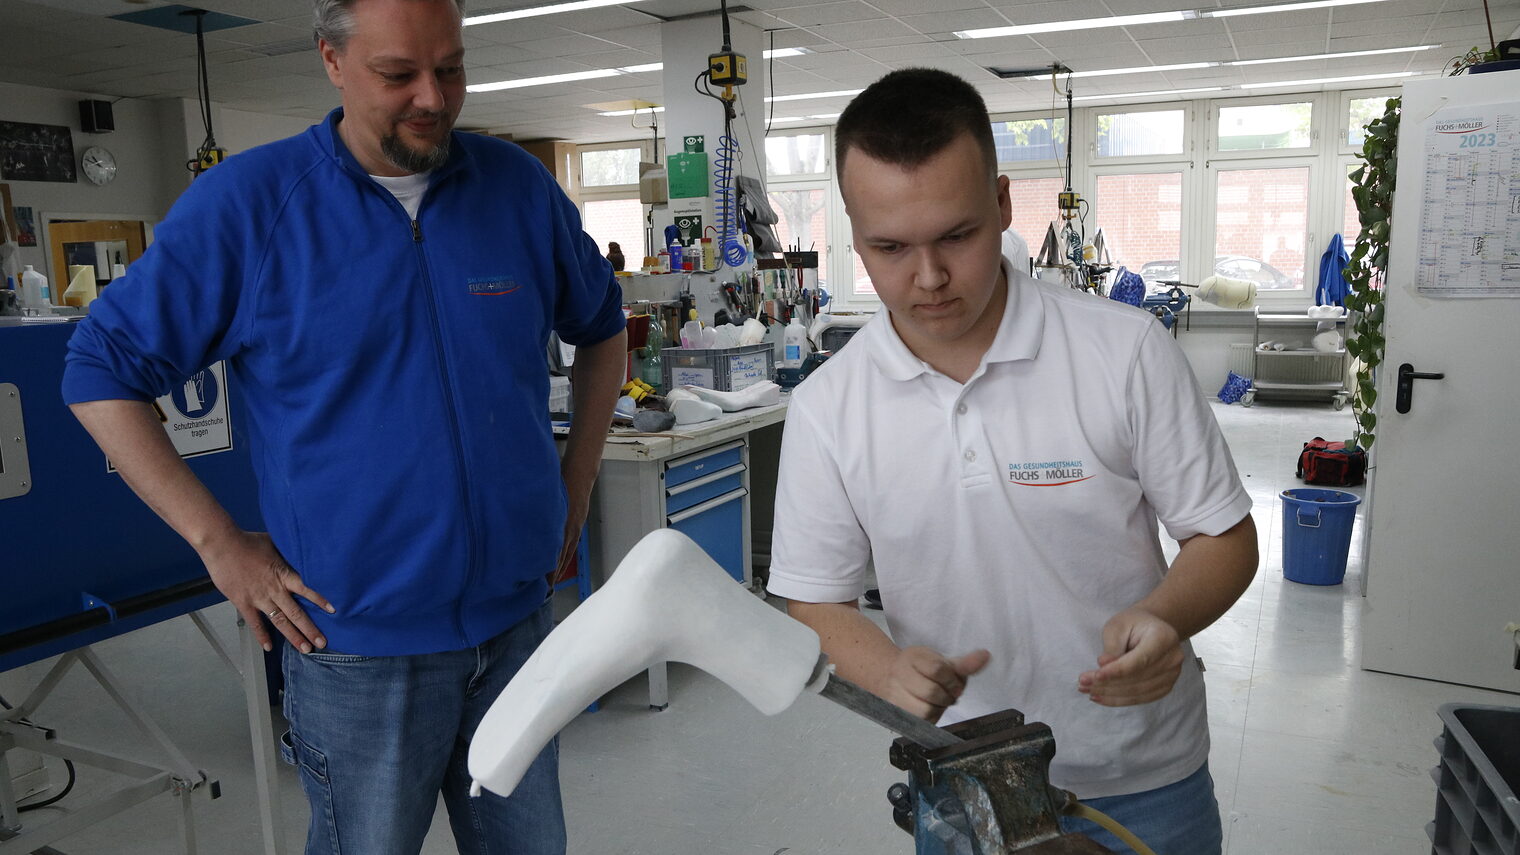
1017 512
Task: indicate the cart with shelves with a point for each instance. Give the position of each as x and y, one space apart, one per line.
1300 369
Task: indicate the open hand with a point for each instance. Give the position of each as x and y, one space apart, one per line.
1142 658
255 578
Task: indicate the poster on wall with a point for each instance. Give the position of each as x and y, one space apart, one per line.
26 228
31 152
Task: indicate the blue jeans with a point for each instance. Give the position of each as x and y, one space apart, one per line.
376 739
1178 819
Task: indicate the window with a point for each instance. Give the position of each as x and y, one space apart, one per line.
1262 127
1135 134
620 220
1261 226
1029 139
1351 223
1359 113
796 154
1034 208
802 216
1141 215
610 167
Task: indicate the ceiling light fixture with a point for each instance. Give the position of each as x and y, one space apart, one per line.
1150 94
1185 66
592 74
542 81
611 113
1147 18
1079 24
1284 7
807 95
553 9
1319 80
1331 55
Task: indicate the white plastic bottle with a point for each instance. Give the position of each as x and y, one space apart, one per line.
34 290
794 344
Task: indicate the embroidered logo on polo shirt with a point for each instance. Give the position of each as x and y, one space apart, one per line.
491 286
1047 473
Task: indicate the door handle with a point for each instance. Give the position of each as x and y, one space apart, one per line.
1407 376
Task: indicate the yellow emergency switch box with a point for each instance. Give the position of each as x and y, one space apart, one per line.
727 68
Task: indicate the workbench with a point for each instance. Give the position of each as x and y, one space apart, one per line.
698 479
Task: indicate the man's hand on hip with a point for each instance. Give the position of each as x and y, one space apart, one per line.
924 682
1142 658
251 573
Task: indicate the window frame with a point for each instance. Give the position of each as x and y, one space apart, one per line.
1313 214
1186 236
1316 101
828 155
612 192
1343 114
1189 141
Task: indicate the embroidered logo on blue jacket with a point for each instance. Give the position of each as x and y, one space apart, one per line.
491 286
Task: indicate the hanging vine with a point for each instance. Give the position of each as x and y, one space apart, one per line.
1372 189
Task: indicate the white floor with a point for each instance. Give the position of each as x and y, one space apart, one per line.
1311 754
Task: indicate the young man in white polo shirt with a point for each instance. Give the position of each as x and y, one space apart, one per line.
1001 450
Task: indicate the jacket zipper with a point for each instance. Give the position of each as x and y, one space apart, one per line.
455 434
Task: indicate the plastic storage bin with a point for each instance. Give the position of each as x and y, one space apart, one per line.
1317 535
1476 807
726 369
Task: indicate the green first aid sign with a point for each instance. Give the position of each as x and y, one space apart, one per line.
694 144
688 175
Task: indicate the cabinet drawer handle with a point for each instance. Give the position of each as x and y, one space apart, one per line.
706 479
706 506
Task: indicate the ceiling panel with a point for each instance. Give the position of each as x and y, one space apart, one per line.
849 11
70 43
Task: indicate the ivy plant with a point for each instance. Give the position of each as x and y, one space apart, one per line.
1372 189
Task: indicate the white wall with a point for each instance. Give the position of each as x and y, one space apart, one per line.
239 130
142 188
153 141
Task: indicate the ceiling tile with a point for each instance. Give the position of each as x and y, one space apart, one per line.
913 7
865 31
949 22
849 11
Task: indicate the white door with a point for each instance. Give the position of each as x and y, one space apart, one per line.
1444 551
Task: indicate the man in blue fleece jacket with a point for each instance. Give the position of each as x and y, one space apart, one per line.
382 290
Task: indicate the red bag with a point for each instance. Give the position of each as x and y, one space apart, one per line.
1331 464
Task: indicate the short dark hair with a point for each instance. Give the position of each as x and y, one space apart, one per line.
912 114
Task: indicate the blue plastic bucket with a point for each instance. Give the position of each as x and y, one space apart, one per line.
1317 535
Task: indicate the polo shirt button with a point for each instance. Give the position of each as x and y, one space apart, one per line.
971 457
961 409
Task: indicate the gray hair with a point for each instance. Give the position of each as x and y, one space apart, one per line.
333 21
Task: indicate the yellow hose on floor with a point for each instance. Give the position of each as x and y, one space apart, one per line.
1077 809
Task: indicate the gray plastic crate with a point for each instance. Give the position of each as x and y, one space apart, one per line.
726 369
1477 812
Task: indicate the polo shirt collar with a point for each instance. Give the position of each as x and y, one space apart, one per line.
1018 336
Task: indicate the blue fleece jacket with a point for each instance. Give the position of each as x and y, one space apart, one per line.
1333 287
393 370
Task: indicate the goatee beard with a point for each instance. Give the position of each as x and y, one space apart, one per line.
410 159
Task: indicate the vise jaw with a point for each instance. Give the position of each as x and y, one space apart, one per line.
987 795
